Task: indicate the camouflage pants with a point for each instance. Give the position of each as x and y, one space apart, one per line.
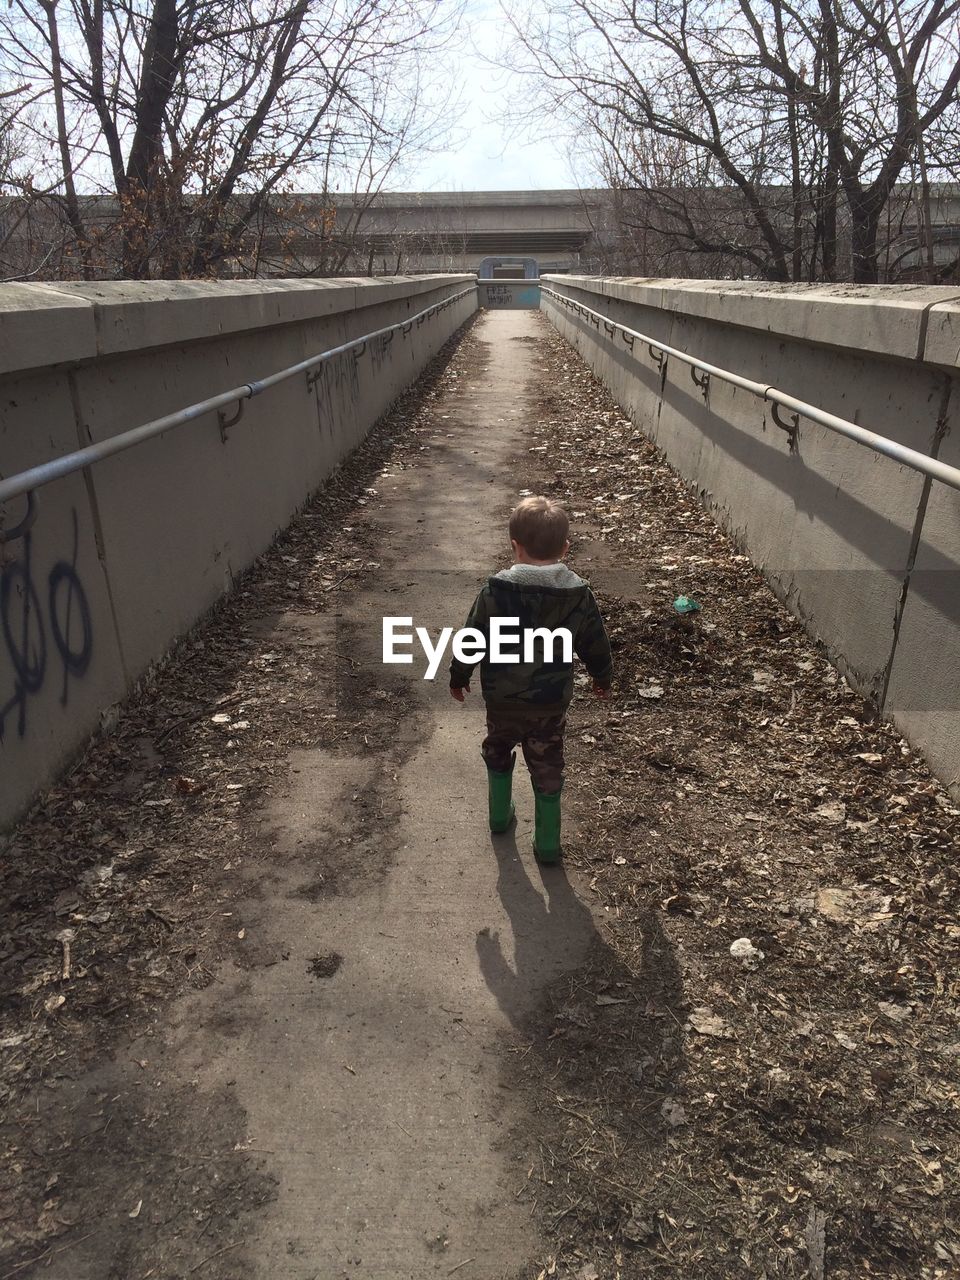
541 741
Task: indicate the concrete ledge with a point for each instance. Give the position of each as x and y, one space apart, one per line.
128 318
372 293
885 320
40 325
942 346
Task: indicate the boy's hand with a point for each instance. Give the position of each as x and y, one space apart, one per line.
459 693
601 693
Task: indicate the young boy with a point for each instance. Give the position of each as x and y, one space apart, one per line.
527 701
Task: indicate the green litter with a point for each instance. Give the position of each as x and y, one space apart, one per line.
685 604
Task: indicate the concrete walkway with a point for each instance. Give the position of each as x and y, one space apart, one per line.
374 1095
384 1111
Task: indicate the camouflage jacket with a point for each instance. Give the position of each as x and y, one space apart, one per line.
548 596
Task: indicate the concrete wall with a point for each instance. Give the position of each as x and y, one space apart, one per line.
863 550
124 558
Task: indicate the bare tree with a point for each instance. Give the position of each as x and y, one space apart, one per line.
198 117
752 131
26 246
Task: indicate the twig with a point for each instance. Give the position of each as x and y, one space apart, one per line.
46 1253
65 937
157 915
347 575
194 716
29 1262
576 1114
459 1265
569 1209
402 1130
203 1262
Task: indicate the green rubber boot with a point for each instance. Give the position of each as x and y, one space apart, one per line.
499 790
546 835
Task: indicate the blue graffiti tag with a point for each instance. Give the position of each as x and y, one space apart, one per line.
24 633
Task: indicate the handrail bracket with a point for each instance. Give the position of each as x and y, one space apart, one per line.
791 426
26 524
703 381
226 423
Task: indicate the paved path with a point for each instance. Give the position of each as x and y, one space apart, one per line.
374 1095
380 1167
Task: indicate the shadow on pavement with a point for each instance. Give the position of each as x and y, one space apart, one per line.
552 929
555 934
603 1053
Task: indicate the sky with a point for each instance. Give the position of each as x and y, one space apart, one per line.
487 155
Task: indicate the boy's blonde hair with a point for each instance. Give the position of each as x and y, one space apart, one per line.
541 527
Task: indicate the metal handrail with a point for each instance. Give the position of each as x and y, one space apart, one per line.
26 482
932 467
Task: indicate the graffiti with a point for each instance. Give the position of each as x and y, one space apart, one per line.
518 294
24 630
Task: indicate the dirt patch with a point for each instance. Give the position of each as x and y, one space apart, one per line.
326 965
759 1073
167 1164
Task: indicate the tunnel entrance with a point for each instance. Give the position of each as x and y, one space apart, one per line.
509 284
508 269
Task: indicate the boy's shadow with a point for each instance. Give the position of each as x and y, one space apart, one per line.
554 934
605 1031
552 930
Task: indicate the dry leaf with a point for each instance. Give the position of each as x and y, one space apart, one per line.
706 1023
832 811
